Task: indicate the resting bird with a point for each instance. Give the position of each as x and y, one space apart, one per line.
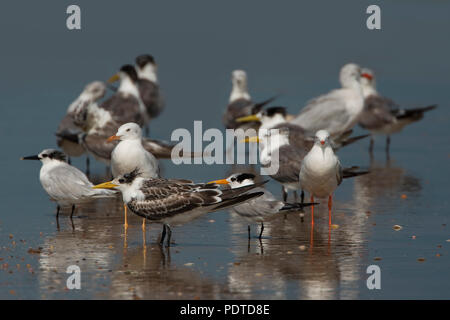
172 201
383 116
129 154
64 183
337 111
261 209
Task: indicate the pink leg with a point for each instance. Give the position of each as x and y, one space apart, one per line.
330 204
312 211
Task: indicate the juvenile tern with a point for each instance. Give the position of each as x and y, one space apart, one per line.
64 183
171 201
321 172
129 154
261 209
381 115
240 103
337 111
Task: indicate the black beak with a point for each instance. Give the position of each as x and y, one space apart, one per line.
30 158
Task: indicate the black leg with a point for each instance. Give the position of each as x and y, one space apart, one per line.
248 229
302 197
73 209
58 208
88 171
69 161
283 190
262 229
163 235
169 235
371 145
388 143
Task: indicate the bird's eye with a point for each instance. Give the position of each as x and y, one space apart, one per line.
233 179
128 129
121 180
45 155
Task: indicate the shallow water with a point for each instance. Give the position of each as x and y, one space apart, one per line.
45 67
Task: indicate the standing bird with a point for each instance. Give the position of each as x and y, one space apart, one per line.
148 85
321 172
64 183
337 111
240 103
383 116
129 154
261 209
68 129
174 201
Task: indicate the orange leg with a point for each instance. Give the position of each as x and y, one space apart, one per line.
143 225
312 211
330 204
126 221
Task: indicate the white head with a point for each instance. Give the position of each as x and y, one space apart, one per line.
129 131
47 156
350 76
239 81
94 90
368 81
146 67
322 139
237 180
272 116
128 184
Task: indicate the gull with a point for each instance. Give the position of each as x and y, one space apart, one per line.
381 115
148 85
240 103
64 183
69 128
321 172
261 209
173 201
129 154
338 110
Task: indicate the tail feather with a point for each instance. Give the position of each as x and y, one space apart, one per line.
352 172
238 200
68 135
297 205
416 113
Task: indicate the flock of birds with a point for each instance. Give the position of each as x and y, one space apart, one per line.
304 145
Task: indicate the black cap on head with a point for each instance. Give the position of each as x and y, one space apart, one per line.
56 155
275 110
129 177
130 71
241 177
143 59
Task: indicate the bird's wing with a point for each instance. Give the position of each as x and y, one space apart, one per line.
149 92
339 172
97 145
236 109
290 161
377 112
123 108
297 136
324 112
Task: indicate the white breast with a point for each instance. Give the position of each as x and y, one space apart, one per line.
129 155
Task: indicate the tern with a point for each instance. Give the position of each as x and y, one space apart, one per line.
172 201
129 154
261 209
69 127
240 103
383 116
64 183
337 111
148 85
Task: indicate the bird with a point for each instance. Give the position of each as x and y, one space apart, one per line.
64 183
240 103
148 85
174 201
126 105
321 171
284 146
337 111
130 154
382 115
261 209
68 127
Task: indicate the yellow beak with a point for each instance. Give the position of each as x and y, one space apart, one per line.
223 181
113 138
251 139
250 118
105 185
114 78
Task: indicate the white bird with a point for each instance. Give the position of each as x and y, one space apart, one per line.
129 154
172 201
381 115
321 172
337 111
64 183
261 209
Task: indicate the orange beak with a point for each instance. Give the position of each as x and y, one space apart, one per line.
113 138
366 75
322 142
223 181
